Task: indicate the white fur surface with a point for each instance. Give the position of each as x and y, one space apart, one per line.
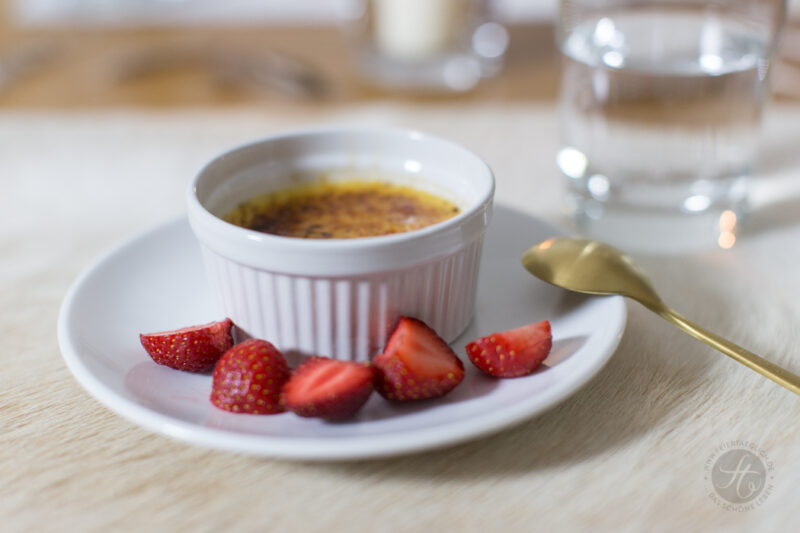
626 453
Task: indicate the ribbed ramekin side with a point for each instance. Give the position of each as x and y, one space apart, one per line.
345 318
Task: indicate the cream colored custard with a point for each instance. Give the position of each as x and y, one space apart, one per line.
342 210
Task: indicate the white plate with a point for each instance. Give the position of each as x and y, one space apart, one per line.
156 282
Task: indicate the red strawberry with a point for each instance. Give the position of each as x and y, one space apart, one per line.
326 388
249 377
416 364
194 349
513 353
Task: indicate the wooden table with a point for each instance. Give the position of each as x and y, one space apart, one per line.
83 68
85 165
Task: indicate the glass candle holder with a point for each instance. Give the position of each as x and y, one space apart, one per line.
445 45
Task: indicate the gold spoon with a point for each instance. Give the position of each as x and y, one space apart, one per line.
595 268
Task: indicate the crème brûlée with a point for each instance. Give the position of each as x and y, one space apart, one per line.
342 210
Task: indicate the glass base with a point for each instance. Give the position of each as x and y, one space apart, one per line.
450 73
636 229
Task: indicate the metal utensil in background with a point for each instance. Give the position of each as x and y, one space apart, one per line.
269 70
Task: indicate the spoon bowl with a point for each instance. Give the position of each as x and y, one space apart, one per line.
590 267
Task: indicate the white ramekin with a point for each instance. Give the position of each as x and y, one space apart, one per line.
341 297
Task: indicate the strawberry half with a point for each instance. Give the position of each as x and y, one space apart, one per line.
513 353
326 388
194 349
416 364
249 377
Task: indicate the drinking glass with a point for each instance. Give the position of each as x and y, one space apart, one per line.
661 104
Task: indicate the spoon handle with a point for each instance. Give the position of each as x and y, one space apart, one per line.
779 375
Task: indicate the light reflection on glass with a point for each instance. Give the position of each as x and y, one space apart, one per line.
726 239
727 220
572 162
613 59
697 203
727 225
598 186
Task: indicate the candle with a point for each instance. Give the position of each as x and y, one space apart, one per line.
417 29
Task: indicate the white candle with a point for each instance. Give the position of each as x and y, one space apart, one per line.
416 29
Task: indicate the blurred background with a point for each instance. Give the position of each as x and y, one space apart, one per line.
203 52
156 53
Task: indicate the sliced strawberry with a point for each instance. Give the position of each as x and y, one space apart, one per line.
513 353
326 388
416 364
249 377
194 349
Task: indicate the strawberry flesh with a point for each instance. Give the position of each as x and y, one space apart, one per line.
416 364
326 388
513 353
193 349
249 377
